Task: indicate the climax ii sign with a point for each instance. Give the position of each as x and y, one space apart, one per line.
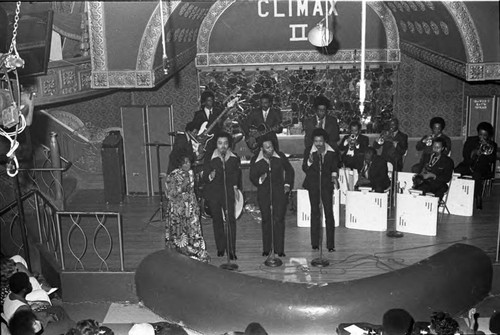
295 8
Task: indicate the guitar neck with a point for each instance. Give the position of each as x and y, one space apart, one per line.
209 128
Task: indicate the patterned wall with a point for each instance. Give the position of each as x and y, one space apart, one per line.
294 91
181 92
424 92
98 113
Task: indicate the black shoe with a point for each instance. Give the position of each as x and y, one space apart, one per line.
331 249
220 253
282 254
232 257
315 248
265 253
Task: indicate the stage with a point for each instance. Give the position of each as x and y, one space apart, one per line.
358 254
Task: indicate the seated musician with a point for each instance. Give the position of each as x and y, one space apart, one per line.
264 117
437 171
353 146
437 125
322 120
479 154
206 116
373 172
394 145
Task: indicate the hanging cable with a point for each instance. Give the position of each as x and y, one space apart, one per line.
164 45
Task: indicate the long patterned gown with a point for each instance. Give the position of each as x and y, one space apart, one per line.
183 227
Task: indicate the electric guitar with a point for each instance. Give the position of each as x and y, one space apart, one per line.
261 130
203 136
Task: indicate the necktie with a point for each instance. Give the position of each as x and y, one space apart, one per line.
265 115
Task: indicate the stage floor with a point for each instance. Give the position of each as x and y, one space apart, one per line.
358 254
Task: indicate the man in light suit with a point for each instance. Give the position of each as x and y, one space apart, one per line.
265 115
322 120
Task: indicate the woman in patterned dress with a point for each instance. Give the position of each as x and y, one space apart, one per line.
183 228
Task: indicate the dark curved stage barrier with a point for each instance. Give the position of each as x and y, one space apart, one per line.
213 301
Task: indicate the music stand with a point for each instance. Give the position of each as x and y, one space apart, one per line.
160 210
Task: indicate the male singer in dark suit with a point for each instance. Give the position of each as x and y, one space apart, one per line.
322 120
478 161
437 171
271 117
321 159
353 146
223 162
394 146
373 172
208 113
270 171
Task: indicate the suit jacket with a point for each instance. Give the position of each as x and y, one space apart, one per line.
281 173
200 116
331 127
255 119
215 188
394 154
377 173
427 150
352 162
443 169
330 166
481 164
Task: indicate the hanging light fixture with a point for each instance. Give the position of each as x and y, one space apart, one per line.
362 82
164 58
322 35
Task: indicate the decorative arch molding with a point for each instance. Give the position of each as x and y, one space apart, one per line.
205 59
467 29
151 37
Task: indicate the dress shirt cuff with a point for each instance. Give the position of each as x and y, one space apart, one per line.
334 174
287 185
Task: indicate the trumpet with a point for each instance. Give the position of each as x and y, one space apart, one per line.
385 136
429 139
353 141
485 148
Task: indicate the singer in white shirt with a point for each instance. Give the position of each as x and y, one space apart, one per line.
321 167
272 173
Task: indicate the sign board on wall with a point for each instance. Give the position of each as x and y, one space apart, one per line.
480 109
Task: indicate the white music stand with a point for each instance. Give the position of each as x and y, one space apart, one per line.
366 210
304 209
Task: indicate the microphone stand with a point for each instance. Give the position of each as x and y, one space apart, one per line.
227 266
320 261
272 260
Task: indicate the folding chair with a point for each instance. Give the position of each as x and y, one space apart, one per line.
488 181
442 204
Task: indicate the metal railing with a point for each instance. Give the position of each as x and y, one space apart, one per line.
75 224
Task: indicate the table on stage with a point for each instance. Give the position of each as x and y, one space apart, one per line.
304 208
366 210
416 214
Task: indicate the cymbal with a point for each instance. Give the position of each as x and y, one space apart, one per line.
152 144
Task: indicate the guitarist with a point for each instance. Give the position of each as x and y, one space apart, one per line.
265 116
322 120
209 113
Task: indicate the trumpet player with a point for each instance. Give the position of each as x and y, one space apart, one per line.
437 171
437 126
394 145
353 146
479 155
